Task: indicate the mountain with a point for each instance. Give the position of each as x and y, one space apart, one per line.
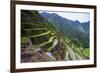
86 26
76 31
55 36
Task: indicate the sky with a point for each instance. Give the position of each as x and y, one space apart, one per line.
81 17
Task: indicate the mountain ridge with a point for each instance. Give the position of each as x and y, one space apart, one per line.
74 29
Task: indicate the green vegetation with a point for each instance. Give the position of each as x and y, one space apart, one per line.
49 59
24 40
86 52
38 31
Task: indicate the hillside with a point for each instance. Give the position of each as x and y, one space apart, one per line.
42 41
75 30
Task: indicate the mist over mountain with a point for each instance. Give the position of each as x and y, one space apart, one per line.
75 30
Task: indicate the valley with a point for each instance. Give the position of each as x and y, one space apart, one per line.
49 37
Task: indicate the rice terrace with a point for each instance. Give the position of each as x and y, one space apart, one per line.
54 36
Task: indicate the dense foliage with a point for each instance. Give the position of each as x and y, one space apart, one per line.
41 33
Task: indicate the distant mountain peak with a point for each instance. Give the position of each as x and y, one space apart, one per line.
77 21
54 14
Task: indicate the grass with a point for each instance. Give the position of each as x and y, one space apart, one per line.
49 59
24 40
86 52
